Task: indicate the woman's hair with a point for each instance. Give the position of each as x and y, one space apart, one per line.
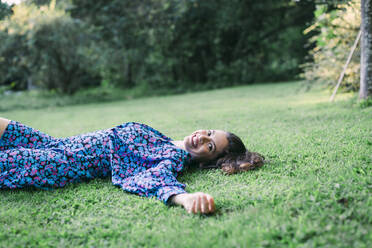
236 158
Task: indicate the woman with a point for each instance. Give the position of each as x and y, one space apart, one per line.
140 160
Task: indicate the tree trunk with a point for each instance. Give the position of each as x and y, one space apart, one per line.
366 50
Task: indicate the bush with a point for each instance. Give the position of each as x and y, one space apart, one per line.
48 47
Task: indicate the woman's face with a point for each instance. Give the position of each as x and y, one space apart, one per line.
206 145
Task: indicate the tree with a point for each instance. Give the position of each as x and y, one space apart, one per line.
366 46
134 32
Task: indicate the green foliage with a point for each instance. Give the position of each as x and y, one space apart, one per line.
137 34
337 30
315 192
174 45
13 64
365 103
241 42
48 47
5 10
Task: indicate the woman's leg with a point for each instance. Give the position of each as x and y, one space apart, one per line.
3 124
16 135
40 168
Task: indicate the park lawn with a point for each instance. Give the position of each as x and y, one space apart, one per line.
315 192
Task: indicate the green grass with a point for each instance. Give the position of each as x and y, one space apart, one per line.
315 192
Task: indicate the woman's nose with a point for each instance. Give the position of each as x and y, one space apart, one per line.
203 138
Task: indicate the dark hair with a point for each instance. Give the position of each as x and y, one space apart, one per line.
236 158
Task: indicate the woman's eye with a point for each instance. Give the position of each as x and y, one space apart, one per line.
210 146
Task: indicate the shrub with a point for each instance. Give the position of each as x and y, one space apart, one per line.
337 30
48 47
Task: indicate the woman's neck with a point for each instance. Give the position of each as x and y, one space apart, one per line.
179 144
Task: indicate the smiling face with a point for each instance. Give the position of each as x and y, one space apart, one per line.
206 145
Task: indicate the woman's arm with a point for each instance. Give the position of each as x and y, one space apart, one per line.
198 202
3 124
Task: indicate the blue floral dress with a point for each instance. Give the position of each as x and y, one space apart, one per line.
140 159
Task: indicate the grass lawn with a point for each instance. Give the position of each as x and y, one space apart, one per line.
315 192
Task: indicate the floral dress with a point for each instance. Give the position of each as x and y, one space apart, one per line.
138 158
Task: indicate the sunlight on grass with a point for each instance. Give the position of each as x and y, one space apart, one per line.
321 98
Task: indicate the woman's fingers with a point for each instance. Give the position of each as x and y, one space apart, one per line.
201 203
211 204
208 204
193 208
204 202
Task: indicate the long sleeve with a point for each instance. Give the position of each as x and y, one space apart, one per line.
159 181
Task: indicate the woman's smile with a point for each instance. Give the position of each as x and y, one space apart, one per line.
195 139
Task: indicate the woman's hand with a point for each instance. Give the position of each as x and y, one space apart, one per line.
198 202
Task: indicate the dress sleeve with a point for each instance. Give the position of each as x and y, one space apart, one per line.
159 181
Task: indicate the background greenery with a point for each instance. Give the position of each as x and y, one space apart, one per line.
63 47
315 192
174 45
